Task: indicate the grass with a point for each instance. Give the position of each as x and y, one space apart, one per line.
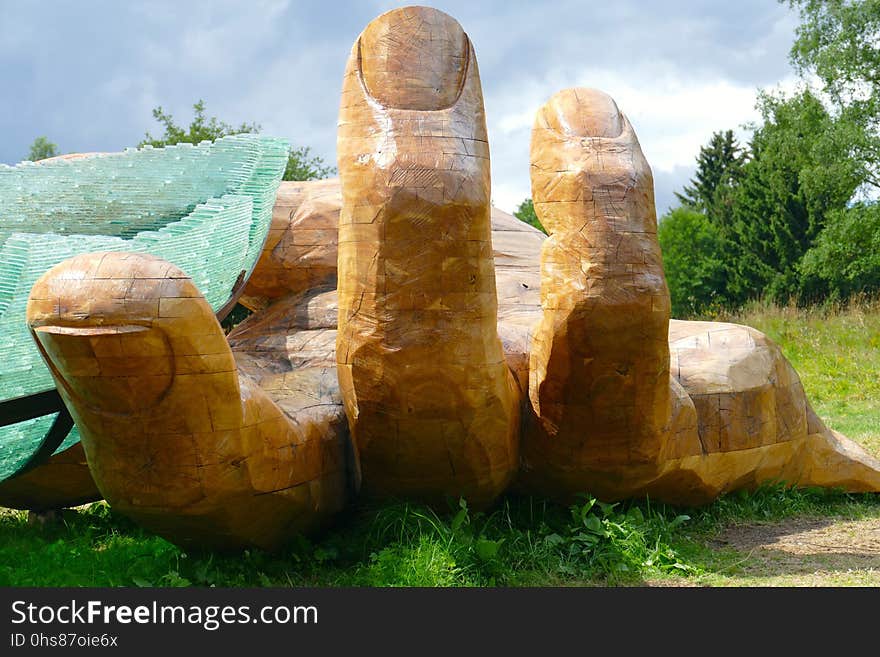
522 541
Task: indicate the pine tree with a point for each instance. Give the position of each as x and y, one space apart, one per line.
786 190
719 166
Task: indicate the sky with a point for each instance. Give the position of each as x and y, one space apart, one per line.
87 73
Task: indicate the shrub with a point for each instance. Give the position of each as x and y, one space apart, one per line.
526 212
845 260
692 259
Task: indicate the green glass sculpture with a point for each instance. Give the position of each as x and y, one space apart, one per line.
206 208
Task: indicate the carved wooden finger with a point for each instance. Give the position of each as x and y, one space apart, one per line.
175 437
300 249
599 364
432 406
755 422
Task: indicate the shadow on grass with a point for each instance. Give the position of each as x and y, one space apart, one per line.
804 546
522 541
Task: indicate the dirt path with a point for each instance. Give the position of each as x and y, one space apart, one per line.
802 552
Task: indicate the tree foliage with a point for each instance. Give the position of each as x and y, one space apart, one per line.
719 167
526 212
201 128
42 148
301 165
793 179
846 258
693 261
783 208
838 41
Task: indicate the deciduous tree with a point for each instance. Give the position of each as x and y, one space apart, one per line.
693 261
41 149
526 212
301 165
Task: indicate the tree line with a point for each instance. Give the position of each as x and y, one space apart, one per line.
791 215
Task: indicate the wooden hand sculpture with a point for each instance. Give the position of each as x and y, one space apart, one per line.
607 409
442 344
432 406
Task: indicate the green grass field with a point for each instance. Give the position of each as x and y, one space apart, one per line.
526 541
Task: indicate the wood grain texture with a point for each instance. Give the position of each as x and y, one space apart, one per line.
300 250
752 414
612 411
432 406
174 435
599 382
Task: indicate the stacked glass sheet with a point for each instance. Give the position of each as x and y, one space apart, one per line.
206 208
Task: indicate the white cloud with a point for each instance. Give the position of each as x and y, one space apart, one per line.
673 116
234 34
